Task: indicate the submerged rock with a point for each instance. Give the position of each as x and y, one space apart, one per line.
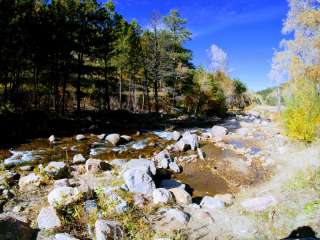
169 184
48 219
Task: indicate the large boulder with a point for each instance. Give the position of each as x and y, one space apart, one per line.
176 135
48 219
57 170
171 219
14 229
188 141
30 182
161 195
114 139
142 164
218 133
63 196
259 204
181 196
211 203
105 230
139 181
174 167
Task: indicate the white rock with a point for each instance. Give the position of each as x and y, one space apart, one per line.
142 164
138 181
101 136
63 196
161 195
30 182
26 168
80 137
105 230
114 139
200 154
52 139
163 159
57 169
169 184
64 236
259 204
61 183
126 138
96 165
218 133
181 196
78 158
211 203
174 167
48 219
191 140
226 198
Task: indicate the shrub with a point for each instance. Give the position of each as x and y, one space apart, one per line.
303 112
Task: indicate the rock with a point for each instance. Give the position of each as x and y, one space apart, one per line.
187 141
52 139
61 183
30 182
174 167
101 136
105 230
78 158
181 196
200 154
57 170
218 133
64 236
161 195
80 137
169 184
138 181
226 198
96 165
126 138
48 219
243 132
14 229
259 204
118 162
163 159
211 203
142 164
176 135
63 196
140 200
171 219
19 158
26 168
114 139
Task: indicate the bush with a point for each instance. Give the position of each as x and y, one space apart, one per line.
303 112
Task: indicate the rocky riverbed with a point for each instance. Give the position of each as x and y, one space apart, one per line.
165 184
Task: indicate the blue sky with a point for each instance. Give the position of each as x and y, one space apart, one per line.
247 30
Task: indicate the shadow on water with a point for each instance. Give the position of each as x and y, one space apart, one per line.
302 233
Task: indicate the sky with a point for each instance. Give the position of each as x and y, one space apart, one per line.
247 30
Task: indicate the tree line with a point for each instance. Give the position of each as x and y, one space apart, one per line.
65 55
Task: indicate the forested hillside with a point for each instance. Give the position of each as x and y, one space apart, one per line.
66 55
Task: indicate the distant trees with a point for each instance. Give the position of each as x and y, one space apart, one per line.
298 61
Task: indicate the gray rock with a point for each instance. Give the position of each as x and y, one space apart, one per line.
30 182
26 168
218 133
188 141
161 195
138 181
174 167
52 139
171 219
61 183
163 159
259 204
101 136
57 169
96 165
142 164
126 138
63 196
80 137
105 230
114 139
181 196
118 162
226 198
211 203
19 158
48 219
78 158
